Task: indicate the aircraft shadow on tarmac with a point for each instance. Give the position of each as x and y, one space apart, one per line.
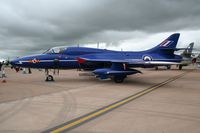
137 81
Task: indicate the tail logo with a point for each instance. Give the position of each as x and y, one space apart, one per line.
166 43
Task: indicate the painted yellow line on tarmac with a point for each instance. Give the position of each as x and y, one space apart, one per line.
74 123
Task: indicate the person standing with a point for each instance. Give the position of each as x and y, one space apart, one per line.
3 74
1 69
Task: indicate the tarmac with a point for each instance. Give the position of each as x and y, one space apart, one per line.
28 104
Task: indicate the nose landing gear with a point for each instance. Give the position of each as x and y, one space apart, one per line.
48 77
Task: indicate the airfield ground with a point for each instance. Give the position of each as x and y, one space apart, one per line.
28 104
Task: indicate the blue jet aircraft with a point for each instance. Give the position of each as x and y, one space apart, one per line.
104 63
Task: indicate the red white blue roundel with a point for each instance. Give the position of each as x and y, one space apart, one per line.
147 58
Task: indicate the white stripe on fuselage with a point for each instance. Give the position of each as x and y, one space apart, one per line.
162 63
153 59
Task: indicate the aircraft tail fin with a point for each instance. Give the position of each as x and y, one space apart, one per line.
188 51
167 46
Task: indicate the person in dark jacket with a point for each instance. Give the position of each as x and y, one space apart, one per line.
1 64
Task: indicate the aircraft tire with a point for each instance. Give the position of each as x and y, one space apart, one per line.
118 79
168 67
180 67
49 78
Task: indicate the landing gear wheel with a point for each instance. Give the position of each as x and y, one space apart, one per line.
118 79
49 78
180 67
156 68
168 67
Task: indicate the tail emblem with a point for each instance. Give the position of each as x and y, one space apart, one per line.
166 43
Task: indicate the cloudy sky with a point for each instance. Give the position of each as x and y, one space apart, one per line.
31 26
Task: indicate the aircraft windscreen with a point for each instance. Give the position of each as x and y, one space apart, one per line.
55 50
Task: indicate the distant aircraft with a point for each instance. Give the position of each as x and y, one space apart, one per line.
198 61
187 57
104 63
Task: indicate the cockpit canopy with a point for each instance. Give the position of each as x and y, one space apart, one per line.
74 51
56 50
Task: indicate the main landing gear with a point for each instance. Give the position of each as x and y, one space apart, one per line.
48 77
168 67
119 79
180 67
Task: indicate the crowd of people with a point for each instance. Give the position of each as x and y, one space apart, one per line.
3 64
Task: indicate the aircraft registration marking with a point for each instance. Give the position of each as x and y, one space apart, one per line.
86 118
